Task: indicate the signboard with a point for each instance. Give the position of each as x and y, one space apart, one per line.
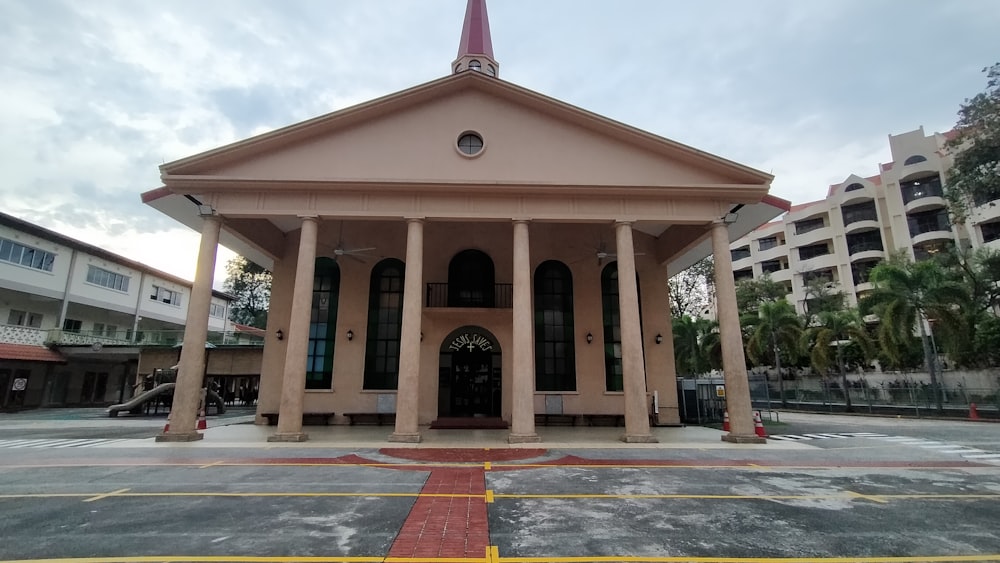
720 391
20 384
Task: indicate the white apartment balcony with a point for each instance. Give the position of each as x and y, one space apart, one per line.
812 237
925 204
13 334
151 338
985 212
861 226
862 287
818 263
858 196
772 253
869 254
945 234
781 275
743 263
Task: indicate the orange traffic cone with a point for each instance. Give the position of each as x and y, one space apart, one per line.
758 425
202 421
973 412
725 421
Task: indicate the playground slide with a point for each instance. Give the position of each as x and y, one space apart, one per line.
137 401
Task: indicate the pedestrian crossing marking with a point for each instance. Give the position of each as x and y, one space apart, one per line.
964 451
53 443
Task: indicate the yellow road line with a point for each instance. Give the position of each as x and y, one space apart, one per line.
213 464
874 498
492 556
491 496
106 495
487 466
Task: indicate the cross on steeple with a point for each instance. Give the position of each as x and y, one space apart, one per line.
475 50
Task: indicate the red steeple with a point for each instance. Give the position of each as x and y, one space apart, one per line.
475 50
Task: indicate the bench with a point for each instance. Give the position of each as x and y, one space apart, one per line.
378 418
555 419
308 418
543 419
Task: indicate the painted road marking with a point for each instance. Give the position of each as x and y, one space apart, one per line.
492 556
58 443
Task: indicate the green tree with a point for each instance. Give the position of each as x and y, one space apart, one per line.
822 295
907 295
979 272
697 348
250 284
975 173
774 329
752 293
692 291
837 330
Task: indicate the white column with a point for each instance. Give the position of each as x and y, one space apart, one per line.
522 424
293 383
633 364
741 429
191 368
408 388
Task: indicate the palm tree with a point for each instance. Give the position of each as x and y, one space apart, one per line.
696 345
910 294
774 328
836 329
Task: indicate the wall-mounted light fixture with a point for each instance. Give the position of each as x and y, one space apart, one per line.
206 210
280 334
590 338
350 335
730 218
659 339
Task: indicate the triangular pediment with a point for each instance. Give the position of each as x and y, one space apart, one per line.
410 138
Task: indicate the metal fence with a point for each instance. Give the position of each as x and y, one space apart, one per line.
902 398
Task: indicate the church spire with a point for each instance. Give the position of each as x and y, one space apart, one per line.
475 50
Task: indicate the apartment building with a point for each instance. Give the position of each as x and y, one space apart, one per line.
76 318
839 239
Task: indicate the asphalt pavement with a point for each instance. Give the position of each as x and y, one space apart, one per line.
857 490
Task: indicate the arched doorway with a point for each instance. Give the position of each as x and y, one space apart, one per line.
469 374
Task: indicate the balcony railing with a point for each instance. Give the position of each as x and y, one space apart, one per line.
57 337
502 297
866 246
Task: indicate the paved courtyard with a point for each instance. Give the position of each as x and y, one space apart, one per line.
347 496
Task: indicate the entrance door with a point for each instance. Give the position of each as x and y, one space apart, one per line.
472 384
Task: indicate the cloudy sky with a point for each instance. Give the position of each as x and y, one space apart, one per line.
95 95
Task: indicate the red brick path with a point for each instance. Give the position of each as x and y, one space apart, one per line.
447 526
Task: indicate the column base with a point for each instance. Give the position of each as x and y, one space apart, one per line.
180 437
743 439
288 437
406 437
639 439
523 439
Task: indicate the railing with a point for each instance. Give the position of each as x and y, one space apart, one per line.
914 398
11 334
501 298
57 337
866 246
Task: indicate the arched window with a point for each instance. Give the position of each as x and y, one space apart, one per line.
323 325
613 373
475 65
385 324
470 280
914 159
555 352
854 186
490 70
612 328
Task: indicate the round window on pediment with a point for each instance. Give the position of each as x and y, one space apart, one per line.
470 144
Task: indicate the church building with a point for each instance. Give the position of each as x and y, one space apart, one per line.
466 249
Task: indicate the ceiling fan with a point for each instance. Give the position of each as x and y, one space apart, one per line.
352 253
604 253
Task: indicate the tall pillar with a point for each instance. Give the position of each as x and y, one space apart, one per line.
293 382
408 388
522 424
191 368
733 361
633 364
